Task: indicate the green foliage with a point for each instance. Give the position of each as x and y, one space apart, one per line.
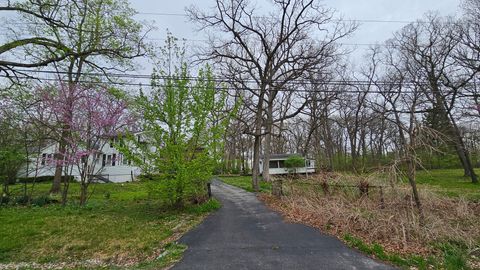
12 154
95 29
294 162
183 125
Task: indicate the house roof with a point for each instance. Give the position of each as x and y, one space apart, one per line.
281 156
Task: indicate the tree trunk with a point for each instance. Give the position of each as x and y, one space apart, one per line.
412 180
463 155
256 163
57 179
258 141
266 157
83 194
455 134
268 140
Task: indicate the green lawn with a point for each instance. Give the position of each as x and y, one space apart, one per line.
449 182
245 182
118 225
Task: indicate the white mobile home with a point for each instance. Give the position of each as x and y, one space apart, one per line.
277 164
111 165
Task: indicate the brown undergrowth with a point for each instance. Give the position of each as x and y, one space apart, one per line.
378 212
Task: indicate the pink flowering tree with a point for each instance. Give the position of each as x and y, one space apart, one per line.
85 119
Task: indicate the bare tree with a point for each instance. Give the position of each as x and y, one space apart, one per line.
428 50
263 54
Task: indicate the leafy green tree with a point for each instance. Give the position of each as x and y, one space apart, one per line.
181 139
12 156
294 162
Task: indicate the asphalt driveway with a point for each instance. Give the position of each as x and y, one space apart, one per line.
245 234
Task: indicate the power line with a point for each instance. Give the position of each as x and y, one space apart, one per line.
218 80
288 90
333 20
206 40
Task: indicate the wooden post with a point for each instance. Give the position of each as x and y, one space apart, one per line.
277 189
209 189
382 200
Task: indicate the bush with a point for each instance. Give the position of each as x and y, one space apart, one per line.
176 191
21 200
43 200
294 162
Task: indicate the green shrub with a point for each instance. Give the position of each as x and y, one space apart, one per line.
21 200
294 162
43 200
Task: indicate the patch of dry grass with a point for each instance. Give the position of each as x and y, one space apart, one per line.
336 204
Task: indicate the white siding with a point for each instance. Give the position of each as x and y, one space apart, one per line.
120 172
310 168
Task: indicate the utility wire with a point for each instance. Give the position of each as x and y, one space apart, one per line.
206 40
333 20
225 88
225 80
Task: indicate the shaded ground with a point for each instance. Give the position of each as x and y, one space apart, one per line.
244 234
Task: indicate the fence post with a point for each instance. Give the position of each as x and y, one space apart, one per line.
382 200
277 188
209 189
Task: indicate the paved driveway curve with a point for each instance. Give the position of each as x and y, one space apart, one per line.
245 234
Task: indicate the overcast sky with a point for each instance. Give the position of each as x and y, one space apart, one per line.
368 32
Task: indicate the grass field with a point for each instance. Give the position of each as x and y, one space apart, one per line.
245 182
446 182
449 182
119 226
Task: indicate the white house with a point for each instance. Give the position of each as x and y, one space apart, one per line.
277 164
111 165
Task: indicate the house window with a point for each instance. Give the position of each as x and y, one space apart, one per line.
104 160
109 160
281 164
44 159
273 164
114 158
